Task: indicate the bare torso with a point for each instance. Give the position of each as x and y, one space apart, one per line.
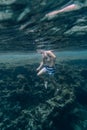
49 61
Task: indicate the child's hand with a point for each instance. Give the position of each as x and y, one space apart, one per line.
37 69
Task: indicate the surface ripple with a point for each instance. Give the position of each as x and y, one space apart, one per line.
31 25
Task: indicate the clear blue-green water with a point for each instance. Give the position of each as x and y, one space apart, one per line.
25 102
34 57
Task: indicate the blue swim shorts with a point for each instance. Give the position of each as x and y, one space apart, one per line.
50 70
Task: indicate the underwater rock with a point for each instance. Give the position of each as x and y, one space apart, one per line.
26 104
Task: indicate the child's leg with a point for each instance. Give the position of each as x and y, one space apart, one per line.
42 71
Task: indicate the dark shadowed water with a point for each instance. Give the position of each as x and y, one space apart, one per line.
28 25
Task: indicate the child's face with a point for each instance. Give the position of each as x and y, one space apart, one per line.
40 51
44 54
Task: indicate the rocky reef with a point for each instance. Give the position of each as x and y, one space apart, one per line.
25 103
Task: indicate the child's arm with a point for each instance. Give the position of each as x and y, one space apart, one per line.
41 64
51 54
